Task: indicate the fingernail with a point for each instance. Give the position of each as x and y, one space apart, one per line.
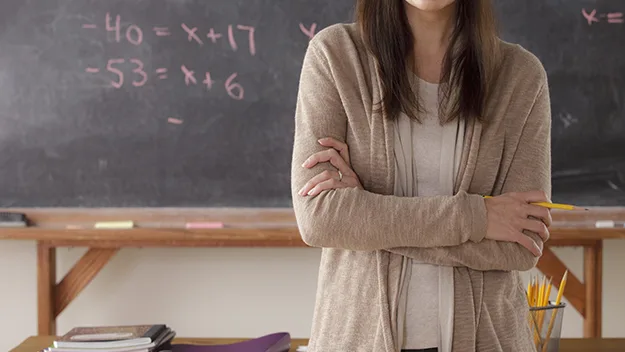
301 192
304 164
310 192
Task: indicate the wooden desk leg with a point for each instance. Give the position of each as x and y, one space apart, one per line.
593 270
46 287
599 289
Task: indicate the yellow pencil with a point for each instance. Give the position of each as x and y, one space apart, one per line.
529 292
544 298
538 316
561 288
541 292
546 302
559 206
530 295
535 292
554 205
553 315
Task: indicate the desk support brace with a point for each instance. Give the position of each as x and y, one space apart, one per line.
575 291
586 297
53 298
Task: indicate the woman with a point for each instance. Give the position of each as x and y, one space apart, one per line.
404 121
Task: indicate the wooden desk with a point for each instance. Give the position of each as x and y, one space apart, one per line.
37 343
257 228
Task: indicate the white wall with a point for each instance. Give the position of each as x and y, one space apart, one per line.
220 292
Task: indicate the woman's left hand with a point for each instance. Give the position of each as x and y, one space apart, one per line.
338 155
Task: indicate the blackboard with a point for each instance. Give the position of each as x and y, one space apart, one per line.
582 46
74 132
185 103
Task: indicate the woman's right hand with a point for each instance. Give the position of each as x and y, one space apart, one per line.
511 213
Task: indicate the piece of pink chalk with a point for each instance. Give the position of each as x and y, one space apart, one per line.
205 225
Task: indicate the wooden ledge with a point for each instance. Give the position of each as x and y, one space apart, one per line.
159 227
231 237
158 237
156 217
243 227
585 234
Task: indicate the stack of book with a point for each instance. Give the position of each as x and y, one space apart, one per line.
132 338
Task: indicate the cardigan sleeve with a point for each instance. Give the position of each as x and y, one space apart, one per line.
355 219
530 170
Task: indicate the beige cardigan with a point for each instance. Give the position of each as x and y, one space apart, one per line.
366 233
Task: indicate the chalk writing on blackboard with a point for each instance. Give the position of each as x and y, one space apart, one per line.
134 34
161 31
309 32
174 121
567 119
593 16
140 77
161 72
131 70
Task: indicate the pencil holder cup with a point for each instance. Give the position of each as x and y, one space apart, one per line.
546 326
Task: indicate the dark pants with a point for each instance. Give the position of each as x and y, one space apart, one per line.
422 350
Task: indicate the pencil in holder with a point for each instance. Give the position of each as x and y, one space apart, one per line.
546 326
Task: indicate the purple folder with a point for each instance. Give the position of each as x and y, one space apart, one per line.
278 342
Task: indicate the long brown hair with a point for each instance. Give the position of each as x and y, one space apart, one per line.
469 67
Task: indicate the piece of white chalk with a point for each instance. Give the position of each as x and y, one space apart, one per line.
604 223
114 225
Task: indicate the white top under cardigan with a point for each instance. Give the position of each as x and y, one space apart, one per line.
427 157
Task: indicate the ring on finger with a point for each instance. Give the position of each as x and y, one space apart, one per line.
340 176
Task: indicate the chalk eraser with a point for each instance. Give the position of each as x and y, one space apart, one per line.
114 225
604 223
205 225
8 219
